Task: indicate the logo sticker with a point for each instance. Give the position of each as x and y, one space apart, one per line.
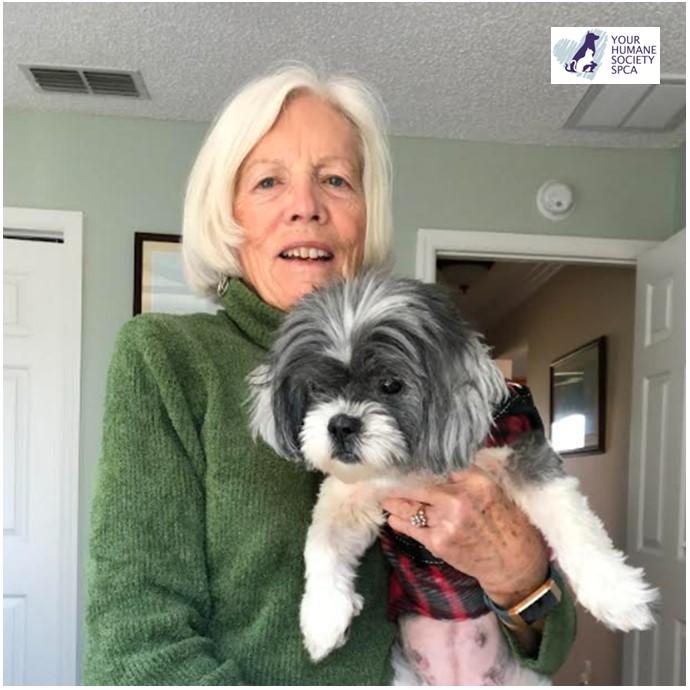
605 55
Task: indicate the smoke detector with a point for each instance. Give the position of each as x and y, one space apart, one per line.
555 200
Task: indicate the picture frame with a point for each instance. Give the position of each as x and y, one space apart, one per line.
159 283
577 400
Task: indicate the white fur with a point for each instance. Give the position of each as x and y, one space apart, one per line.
345 523
379 440
347 318
261 420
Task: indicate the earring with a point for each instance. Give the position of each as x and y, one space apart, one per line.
222 286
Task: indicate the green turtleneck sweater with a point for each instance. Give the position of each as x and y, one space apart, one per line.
195 570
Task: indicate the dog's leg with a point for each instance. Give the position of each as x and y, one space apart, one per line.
612 591
345 523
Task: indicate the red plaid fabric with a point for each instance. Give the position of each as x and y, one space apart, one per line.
423 584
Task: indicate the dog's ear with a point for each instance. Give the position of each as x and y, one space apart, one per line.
477 387
289 407
276 411
261 421
460 413
464 387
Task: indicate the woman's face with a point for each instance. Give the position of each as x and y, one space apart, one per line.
300 202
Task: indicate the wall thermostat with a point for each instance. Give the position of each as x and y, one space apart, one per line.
555 200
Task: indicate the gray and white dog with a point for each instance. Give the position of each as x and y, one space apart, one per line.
378 382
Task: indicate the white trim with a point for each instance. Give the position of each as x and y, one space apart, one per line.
510 246
32 234
69 226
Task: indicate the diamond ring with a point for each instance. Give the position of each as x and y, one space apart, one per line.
419 518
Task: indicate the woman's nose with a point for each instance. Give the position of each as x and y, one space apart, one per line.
305 203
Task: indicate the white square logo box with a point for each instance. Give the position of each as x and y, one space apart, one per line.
605 55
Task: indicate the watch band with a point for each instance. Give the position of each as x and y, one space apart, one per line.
534 607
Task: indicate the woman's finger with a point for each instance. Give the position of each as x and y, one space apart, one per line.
400 507
468 474
421 534
405 510
416 495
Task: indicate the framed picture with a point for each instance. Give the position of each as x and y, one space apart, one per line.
578 400
159 284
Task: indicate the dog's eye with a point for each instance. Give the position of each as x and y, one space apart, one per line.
390 386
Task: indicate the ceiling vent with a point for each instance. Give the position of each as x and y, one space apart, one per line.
631 108
82 80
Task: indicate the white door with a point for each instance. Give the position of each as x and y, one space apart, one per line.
656 491
42 328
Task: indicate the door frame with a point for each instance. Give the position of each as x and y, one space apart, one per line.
509 246
67 226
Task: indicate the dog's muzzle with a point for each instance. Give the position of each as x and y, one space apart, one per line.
343 430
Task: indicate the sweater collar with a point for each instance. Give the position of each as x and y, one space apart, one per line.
256 319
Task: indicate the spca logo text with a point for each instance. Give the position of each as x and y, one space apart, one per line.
605 55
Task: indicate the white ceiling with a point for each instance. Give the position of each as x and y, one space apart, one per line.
473 71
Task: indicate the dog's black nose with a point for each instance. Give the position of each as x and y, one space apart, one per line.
342 426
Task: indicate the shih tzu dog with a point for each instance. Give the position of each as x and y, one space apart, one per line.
379 383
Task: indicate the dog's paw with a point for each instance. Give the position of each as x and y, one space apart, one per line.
325 618
635 613
626 617
620 598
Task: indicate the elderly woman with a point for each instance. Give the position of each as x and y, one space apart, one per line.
196 571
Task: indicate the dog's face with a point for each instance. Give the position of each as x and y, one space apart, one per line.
373 377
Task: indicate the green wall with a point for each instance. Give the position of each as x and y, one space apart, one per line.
632 194
128 174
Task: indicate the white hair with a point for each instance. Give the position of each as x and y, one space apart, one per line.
211 235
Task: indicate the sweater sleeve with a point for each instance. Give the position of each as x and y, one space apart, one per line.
556 641
148 596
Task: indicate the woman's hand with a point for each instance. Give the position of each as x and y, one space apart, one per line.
476 528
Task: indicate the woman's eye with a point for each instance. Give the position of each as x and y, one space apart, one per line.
267 183
336 181
390 386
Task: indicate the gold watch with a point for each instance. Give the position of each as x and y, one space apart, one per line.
530 611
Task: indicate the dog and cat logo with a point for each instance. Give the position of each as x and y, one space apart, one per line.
605 55
588 45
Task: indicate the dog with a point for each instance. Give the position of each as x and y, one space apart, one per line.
589 43
379 383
